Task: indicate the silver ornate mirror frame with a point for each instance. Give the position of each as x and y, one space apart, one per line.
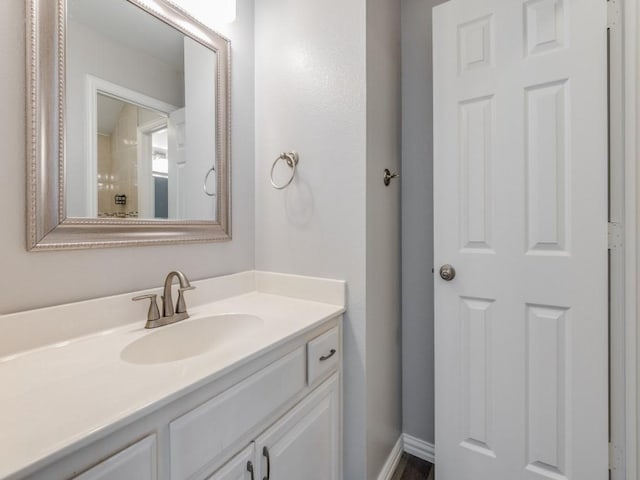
48 227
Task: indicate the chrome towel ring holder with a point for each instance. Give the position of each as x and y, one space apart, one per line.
292 159
206 178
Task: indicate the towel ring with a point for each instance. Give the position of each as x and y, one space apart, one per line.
292 159
206 178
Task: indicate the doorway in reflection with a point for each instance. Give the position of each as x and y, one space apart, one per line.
126 169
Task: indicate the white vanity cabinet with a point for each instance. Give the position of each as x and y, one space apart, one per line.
257 364
202 437
276 416
305 443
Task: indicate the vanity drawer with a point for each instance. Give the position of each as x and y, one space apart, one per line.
201 437
137 461
323 355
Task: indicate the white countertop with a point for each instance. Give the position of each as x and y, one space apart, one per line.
58 397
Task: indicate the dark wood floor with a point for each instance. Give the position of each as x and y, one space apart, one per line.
413 468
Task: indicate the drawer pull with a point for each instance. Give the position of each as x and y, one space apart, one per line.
250 469
327 357
265 453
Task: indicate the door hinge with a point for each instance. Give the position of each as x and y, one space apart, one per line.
614 13
615 457
615 235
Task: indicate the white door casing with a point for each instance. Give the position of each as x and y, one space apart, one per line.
93 87
177 161
520 195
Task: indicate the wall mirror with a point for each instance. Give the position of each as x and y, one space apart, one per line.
128 125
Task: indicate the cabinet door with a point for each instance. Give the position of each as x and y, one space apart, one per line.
305 443
202 438
240 467
135 462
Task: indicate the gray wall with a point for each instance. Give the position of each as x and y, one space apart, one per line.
383 353
417 220
328 87
310 97
33 280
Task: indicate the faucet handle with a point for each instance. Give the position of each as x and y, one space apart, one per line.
181 306
154 313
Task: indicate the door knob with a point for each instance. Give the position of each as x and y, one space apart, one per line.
447 272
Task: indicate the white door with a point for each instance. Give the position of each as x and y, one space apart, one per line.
176 142
520 128
240 467
305 444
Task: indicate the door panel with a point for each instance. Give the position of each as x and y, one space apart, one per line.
520 199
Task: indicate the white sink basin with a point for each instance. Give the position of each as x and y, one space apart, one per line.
189 338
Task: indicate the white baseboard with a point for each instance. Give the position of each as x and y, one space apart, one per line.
392 461
419 448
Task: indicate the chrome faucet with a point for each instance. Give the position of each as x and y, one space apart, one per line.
169 315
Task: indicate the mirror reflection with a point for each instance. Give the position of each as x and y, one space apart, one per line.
132 175
141 105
